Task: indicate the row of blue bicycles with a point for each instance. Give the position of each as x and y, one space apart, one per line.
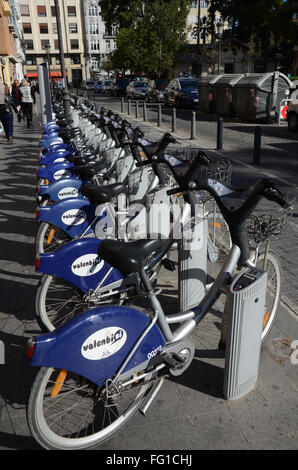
101 360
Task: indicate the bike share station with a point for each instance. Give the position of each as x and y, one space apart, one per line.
245 294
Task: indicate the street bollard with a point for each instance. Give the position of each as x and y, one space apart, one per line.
159 116
128 107
174 122
122 105
219 133
257 146
144 111
137 109
193 133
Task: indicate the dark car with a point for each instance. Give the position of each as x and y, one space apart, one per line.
156 90
182 92
118 87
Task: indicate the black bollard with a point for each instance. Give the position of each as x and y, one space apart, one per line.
193 133
159 116
257 146
174 122
144 111
219 133
122 105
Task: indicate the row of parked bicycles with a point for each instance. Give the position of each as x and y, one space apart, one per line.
101 359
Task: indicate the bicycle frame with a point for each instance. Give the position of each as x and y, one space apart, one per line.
81 344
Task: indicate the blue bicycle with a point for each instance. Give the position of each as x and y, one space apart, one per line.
102 367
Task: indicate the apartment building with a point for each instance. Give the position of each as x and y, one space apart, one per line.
39 23
12 55
99 42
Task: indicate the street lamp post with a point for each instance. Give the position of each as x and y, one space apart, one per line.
66 97
47 48
220 33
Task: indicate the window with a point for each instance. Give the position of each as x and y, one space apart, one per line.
204 3
29 45
56 43
193 4
45 43
93 11
93 28
43 28
73 28
71 11
41 10
58 60
55 29
95 45
75 59
31 59
53 11
24 9
74 44
27 28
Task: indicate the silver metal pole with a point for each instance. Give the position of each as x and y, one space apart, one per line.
66 97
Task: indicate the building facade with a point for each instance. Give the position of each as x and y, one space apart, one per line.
39 23
99 42
12 55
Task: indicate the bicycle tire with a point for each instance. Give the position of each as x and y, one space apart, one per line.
78 427
273 293
49 238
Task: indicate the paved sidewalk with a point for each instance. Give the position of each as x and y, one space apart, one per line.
190 412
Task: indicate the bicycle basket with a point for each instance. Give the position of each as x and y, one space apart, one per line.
270 223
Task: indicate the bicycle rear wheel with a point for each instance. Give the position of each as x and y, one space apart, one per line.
78 415
49 238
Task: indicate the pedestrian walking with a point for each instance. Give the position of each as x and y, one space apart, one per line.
17 99
6 115
28 98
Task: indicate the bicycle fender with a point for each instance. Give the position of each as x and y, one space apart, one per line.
68 188
71 215
95 343
78 263
56 171
55 157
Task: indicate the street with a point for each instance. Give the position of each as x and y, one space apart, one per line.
279 145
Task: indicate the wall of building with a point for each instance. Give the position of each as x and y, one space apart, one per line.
40 28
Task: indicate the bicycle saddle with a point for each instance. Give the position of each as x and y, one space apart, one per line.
101 194
87 171
128 257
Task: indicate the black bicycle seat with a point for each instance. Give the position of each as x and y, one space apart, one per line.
128 257
101 194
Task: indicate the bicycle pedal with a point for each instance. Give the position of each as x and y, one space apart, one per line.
173 361
168 264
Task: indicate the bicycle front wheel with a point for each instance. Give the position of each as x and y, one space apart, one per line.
270 263
77 415
49 238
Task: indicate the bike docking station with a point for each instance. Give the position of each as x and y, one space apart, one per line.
242 321
244 311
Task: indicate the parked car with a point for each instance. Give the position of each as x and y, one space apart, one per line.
182 92
98 86
106 85
156 89
292 115
88 85
118 87
136 89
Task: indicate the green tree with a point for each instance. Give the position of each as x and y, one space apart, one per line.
151 32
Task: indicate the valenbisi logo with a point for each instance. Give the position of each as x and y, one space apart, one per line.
68 192
87 265
103 343
62 174
74 217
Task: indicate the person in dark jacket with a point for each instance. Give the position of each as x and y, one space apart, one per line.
17 98
6 115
